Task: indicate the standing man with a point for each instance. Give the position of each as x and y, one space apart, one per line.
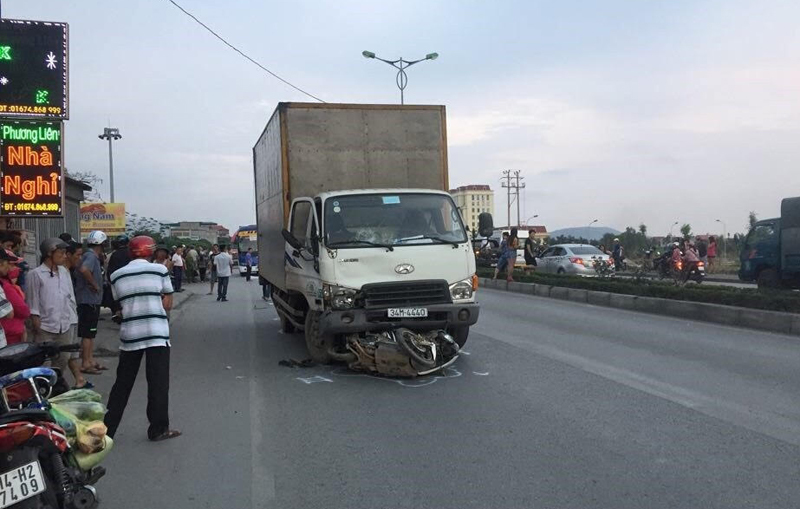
248 260
177 269
212 267
202 264
51 299
118 259
191 264
224 264
89 294
145 292
530 249
617 255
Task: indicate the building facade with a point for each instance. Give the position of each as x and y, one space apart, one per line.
472 201
193 230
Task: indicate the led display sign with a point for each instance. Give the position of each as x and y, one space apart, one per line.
31 179
33 69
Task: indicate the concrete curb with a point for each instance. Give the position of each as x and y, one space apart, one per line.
770 321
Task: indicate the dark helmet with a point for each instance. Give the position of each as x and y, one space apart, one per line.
142 246
66 237
122 241
47 246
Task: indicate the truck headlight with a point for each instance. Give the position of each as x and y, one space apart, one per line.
339 297
461 290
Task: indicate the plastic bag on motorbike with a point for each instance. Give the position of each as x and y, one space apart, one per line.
80 414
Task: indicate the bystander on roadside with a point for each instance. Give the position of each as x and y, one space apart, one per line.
89 296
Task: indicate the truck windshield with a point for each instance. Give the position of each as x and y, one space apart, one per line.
392 219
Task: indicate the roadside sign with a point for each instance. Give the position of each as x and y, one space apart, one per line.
108 217
31 171
34 73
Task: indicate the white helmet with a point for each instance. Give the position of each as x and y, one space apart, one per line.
96 238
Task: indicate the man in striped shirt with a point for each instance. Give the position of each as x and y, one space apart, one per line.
144 291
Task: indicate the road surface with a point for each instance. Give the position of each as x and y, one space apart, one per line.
557 405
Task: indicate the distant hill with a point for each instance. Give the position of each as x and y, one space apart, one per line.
593 233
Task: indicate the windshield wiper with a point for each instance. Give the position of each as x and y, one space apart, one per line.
453 243
363 242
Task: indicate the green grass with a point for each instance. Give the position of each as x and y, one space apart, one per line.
775 300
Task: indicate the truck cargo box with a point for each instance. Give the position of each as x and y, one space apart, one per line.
309 148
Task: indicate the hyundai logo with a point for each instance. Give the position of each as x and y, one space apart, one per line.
404 268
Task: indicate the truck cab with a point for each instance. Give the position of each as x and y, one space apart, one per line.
372 260
771 252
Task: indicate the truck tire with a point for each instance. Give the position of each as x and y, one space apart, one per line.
768 278
317 344
460 334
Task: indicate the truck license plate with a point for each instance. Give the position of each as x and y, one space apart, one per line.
21 483
408 312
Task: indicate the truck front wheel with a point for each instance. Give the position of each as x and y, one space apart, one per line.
317 343
460 334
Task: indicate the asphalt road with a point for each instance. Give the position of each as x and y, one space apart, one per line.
557 405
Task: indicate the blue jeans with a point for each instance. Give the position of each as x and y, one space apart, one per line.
222 287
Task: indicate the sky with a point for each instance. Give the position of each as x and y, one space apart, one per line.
627 112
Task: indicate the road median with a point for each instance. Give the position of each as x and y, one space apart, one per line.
750 318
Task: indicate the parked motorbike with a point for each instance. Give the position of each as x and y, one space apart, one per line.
38 467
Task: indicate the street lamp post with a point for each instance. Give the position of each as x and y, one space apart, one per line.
724 240
670 229
593 222
401 65
110 134
532 217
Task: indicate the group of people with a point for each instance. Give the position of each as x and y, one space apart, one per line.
187 265
59 301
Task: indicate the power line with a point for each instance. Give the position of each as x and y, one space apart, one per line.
237 50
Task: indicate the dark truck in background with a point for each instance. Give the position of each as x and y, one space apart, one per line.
771 252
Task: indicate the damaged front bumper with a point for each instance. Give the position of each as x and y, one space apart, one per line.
440 316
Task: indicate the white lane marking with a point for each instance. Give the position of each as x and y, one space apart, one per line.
262 481
767 423
480 374
314 380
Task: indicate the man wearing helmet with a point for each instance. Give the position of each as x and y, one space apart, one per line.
89 294
145 292
52 304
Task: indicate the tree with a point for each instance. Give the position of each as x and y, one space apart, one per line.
643 230
686 231
90 179
751 219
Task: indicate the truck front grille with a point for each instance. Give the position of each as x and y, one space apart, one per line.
406 294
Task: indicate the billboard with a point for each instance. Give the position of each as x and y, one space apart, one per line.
31 180
34 74
108 217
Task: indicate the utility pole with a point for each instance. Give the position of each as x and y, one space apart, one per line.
110 134
511 180
518 187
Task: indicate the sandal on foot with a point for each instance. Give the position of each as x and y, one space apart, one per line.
91 371
173 433
87 385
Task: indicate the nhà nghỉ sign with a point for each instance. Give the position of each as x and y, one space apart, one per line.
31 179
107 217
34 73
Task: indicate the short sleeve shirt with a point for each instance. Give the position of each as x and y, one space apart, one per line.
139 287
223 264
83 292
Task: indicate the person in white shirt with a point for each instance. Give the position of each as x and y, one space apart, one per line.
224 264
177 269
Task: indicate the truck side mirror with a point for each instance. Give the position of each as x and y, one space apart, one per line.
485 224
291 239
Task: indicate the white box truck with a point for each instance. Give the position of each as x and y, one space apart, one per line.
364 248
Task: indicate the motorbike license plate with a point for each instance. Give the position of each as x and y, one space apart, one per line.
408 312
21 483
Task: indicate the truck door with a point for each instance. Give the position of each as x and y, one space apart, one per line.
760 251
301 266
